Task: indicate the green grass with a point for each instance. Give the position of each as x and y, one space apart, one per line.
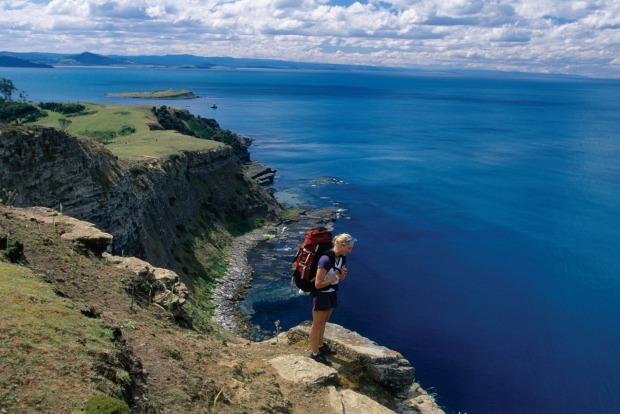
47 347
140 145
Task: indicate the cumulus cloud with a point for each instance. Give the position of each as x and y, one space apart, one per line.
525 35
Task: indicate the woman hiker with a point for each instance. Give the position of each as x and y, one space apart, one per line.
331 270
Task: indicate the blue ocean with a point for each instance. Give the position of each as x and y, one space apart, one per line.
486 207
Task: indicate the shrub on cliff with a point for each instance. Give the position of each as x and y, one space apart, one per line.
104 137
169 118
63 108
19 112
209 129
102 404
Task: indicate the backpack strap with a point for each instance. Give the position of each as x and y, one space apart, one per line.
332 258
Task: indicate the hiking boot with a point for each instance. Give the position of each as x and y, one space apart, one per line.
320 358
326 350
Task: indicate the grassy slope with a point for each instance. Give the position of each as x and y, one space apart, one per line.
141 145
54 357
47 347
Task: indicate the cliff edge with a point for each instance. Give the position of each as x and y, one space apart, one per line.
80 324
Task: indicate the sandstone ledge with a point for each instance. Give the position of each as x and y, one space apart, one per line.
373 364
261 174
84 236
383 365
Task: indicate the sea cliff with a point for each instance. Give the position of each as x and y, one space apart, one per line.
147 206
161 211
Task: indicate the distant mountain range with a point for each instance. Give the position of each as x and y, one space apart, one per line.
48 60
13 62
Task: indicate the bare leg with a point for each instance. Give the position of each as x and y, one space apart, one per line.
322 333
319 320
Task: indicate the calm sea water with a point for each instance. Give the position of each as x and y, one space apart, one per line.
486 208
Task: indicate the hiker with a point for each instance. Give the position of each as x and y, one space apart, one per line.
331 270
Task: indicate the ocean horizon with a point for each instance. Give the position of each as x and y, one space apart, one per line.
485 207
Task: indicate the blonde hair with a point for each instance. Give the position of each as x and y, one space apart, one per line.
342 239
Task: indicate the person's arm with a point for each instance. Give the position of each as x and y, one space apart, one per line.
321 280
343 273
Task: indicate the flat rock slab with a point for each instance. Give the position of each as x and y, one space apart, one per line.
349 401
82 234
261 174
299 369
303 370
384 365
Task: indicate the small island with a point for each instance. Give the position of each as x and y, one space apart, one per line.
161 94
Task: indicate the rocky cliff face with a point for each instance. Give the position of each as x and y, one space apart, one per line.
144 206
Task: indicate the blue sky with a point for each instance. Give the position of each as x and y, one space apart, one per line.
546 36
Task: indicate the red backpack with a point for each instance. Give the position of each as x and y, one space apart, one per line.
317 241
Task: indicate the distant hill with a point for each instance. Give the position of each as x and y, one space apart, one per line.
91 59
36 57
167 60
191 61
56 59
13 62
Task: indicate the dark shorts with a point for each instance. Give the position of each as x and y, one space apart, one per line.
323 301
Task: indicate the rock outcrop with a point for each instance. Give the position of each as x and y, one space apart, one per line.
85 237
371 363
161 287
261 174
296 368
303 370
383 365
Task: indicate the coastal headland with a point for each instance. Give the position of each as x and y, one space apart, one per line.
109 285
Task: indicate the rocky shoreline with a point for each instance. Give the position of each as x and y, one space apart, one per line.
232 288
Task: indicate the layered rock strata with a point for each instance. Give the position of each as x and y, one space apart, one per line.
371 363
142 205
382 364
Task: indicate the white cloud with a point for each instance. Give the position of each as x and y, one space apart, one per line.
527 35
